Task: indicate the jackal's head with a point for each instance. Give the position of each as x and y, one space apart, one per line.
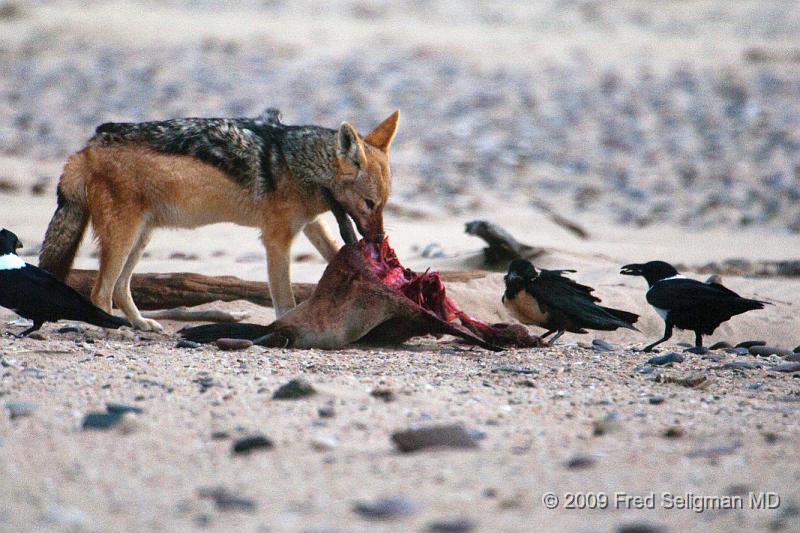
363 178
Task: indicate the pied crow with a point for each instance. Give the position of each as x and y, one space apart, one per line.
554 302
36 295
685 303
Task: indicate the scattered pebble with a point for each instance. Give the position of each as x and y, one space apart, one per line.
37 336
515 369
456 525
786 367
750 344
386 508
740 351
232 345
721 345
323 443
579 462
656 400
600 345
121 408
183 343
100 421
667 358
609 423
296 388
766 351
20 409
226 500
70 329
717 451
326 411
450 436
387 395
742 365
674 432
252 443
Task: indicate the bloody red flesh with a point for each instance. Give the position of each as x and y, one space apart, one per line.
427 291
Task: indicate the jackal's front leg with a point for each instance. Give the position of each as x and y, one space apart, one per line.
280 283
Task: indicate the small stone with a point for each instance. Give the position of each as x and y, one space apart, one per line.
754 386
121 409
296 388
101 421
609 423
674 432
578 462
714 357
742 365
740 351
646 369
387 395
7 363
641 527
770 437
219 435
20 409
323 443
246 445
386 508
232 345
721 345
515 369
37 336
699 350
33 372
766 351
786 367
656 400
451 436
711 453
69 329
326 411
667 358
227 501
796 349
183 343
599 345
750 344
457 525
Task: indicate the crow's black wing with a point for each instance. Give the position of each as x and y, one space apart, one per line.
563 296
689 293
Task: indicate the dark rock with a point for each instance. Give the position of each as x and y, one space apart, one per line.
609 423
183 343
699 350
721 345
578 462
792 358
600 345
766 351
458 525
296 388
37 336
515 369
20 409
786 367
641 527
656 400
121 409
667 358
220 435
715 357
252 443
387 395
716 451
674 432
232 345
742 365
452 436
770 437
796 349
69 329
326 411
750 344
227 501
100 421
754 386
386 508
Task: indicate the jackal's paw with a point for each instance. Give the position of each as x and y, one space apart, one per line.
147 324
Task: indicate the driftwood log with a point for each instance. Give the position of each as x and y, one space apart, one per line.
503 247
176 289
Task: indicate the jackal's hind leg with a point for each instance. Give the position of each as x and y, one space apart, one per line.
122 289
322 239
116 240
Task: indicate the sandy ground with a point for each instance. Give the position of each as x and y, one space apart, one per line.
565 419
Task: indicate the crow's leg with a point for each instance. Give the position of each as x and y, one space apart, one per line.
667 335
698 344
556 336
36 325
546 334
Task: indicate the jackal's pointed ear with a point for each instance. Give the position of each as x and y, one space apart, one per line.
349 147
381 137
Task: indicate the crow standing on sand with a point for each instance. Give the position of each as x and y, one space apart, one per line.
551 301
36 295
686 303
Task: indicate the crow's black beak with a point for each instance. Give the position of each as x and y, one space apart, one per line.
631 270
19 245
